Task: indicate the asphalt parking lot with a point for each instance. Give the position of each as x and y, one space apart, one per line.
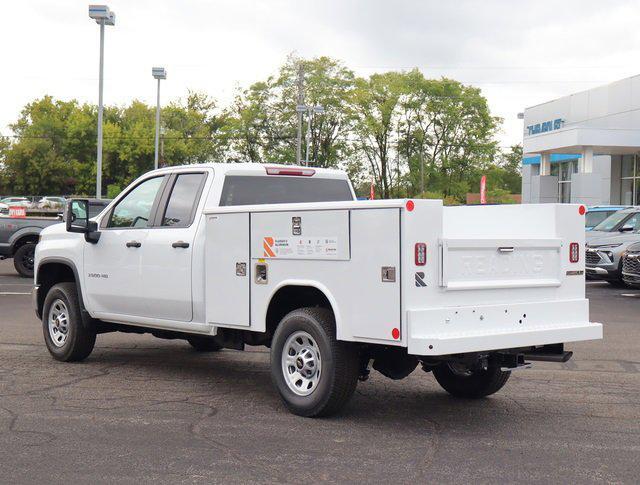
142 409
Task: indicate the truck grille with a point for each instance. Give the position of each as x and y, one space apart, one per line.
592 257
631 265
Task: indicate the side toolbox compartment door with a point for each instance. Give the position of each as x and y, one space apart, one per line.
373 306
227 269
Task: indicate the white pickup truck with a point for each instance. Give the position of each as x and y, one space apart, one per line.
228 255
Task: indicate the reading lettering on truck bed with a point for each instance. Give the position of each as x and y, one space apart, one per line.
228 255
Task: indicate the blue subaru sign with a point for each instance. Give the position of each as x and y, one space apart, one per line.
545 126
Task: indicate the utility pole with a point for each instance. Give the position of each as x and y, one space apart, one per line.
308 137
299 109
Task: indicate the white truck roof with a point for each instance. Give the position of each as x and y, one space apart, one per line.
253 169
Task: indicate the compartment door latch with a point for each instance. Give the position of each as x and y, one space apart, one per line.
388 274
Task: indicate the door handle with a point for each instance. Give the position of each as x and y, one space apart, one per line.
506 249
180 244
134 244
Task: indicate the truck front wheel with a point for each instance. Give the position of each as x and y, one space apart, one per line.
315 373
66 336
462 381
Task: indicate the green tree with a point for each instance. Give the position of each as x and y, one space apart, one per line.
264 119
374 104
49 148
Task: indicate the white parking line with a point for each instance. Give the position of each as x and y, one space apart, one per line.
4 293
630 294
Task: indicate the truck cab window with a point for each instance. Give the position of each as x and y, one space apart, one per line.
184 197
134 209
250 190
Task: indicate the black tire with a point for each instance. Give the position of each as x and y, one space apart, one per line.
339 368
80 339
204 344
473 384
617 283
23 260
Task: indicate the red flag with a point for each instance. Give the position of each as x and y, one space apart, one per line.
483 189
372 194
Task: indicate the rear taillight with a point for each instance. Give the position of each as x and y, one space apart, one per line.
295 171
420 251
574 252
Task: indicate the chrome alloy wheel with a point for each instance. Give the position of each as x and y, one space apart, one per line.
301 363
58 322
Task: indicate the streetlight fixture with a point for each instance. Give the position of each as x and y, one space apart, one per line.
158 73
103 16
311 111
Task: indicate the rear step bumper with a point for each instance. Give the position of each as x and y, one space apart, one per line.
546 357
458 330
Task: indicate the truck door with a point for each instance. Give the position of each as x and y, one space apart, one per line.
166 267
113 265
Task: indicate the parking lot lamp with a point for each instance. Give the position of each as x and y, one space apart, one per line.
158 73
103 16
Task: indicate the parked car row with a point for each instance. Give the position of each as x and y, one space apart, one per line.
47 202
18 237
609 244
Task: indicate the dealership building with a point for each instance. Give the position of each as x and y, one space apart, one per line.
585 147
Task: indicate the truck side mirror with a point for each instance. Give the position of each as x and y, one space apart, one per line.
78 216
77 220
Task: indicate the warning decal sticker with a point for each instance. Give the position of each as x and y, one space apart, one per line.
300 247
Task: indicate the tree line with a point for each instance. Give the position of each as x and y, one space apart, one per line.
408 135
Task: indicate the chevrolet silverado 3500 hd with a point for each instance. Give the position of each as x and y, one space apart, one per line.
228 255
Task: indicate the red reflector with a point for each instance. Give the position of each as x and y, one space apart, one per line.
582 210
410 205
420 252
296 171
395 333
574 252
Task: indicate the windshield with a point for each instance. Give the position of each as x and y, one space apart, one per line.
595 218
250 190
614 220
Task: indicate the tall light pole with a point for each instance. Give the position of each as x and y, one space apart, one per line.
158 73
103 16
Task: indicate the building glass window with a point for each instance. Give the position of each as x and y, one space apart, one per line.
630 180
564 171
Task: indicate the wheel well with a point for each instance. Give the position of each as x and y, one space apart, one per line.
29 238
50 274
289 298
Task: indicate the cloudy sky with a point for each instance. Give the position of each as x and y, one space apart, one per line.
519 53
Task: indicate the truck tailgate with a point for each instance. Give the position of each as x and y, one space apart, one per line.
495 277
467 264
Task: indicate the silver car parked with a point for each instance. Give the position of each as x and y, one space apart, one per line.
607 242
631 266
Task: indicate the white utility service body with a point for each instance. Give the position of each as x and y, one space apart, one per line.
332 285
496 277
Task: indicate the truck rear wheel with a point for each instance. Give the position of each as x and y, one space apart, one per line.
66 336
23 260
315 373
462 381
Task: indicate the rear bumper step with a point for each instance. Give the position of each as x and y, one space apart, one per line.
548 357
